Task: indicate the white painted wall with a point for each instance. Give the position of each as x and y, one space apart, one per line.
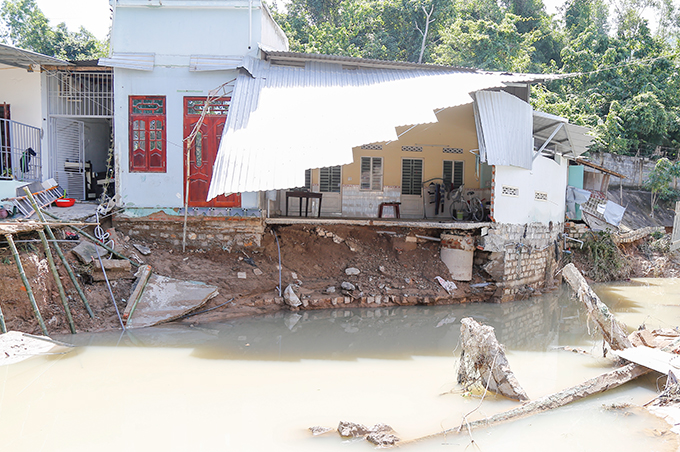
21 89
174 30
548 176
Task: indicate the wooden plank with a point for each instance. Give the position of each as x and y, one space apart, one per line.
652 358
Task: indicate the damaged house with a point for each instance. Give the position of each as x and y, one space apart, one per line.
56 121
218 126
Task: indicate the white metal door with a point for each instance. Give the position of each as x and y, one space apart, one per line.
68 155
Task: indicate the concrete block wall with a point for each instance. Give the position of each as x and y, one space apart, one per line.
206 233
636 169
521 258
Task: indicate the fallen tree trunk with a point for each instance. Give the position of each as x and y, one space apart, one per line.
613 331
595 385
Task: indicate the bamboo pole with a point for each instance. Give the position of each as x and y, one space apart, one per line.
98 242
3 327
27 285
57 281
57 248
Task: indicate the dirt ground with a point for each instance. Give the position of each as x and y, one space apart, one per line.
313 258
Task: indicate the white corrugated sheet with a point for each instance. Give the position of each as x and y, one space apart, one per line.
504 129
570 138
199 63
284 119
16 57
137 61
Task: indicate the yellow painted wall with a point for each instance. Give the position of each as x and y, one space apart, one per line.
455 129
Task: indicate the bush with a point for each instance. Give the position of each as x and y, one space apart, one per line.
606 260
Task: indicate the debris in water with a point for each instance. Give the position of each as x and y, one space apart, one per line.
483 361
446 321
318 430
290 297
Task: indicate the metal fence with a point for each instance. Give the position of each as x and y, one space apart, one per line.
20 156
82 94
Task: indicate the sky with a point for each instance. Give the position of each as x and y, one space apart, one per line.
94 15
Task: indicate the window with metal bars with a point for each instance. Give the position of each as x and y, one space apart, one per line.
147 134
371 173
330 179
453 173
411 176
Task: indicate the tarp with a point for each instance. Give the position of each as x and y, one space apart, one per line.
286 119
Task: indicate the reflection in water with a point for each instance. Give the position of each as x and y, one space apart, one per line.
256 384
349 334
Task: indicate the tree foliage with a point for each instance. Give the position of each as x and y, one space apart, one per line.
24 25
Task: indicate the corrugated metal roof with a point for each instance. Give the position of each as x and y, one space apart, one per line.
284 119
504 124
136 61
569 139
16 57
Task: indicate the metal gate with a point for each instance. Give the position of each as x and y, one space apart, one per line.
68 145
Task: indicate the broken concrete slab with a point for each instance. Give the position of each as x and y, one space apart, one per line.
165 299
16 346
145 250
115 269
87 251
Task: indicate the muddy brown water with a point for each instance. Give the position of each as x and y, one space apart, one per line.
256 384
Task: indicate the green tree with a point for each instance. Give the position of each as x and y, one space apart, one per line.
25 26
659 180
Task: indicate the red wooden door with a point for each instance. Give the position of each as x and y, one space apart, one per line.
203 151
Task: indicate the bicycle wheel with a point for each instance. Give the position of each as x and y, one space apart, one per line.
460 211
476 210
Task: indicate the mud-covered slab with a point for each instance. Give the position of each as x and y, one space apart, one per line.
16 346
165 299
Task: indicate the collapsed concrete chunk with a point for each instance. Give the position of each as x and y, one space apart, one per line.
87 252
115 269
483 362
164 299
318 430
379 434
352 430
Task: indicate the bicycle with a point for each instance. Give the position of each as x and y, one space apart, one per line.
466 208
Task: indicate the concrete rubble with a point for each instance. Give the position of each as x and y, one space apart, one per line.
16 346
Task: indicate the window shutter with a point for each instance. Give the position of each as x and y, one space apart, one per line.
376 182
458 174
448 173
365 173
308 179
329 179
411 176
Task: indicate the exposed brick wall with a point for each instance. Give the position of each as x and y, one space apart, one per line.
521 258
206 233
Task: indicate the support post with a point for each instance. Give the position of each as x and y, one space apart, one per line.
57 248
27 285
57 281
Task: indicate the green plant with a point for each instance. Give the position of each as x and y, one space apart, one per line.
606 260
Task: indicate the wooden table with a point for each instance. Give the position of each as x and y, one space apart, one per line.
303 195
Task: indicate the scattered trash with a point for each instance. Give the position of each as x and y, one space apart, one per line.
347 286
449 286
352 271
484 284
290 297
68 235
257 272
241 275
145 250
330 289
